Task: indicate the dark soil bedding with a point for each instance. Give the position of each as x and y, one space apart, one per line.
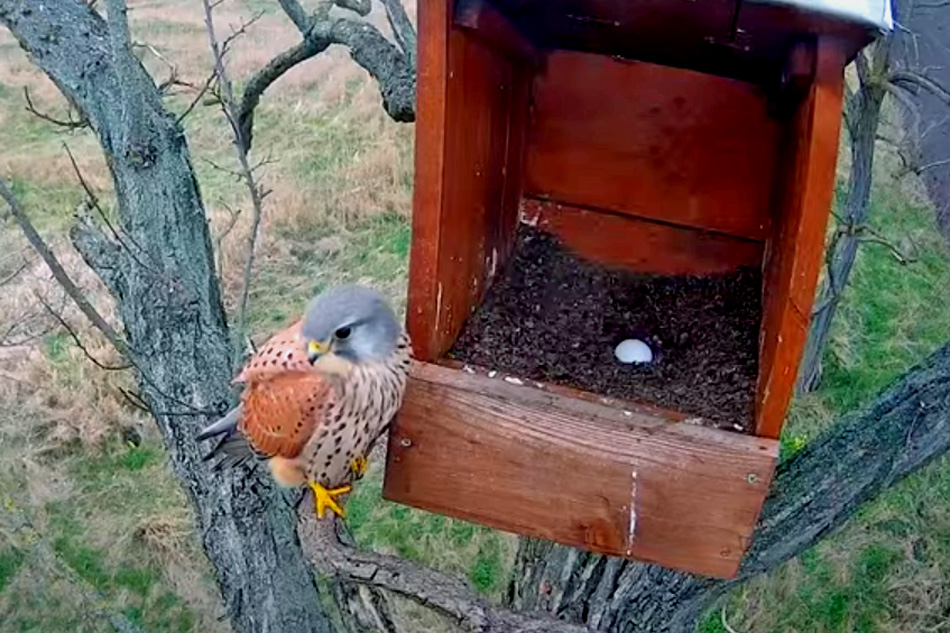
553 317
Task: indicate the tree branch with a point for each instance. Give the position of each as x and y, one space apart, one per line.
440 592
16 273
394 70
70 123
395 74
72 333
861 65
60 274
403 31
266 76
229 107
904 78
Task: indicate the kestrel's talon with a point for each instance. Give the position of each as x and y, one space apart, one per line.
359 465
325 498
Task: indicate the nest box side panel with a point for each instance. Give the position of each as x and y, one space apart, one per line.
617 240
655 142
794 252
471 101
630 483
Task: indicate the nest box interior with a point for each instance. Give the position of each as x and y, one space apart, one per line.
587 169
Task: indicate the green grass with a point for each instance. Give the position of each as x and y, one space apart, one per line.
887 570
92 533
482 555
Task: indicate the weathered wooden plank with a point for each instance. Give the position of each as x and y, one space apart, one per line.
615 481
643 245
794 253
655 142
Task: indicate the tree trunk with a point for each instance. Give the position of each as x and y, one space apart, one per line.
864 114
159 267
813 493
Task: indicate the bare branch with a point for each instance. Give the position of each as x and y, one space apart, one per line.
172 79
905 79
227 170
262 80
297 15
70 123
72 333
440 592
403 31
94 201
198 97
394 70
59 273
360 7
864 71
900 256
234 215
14 274
229 108
934 164
239 32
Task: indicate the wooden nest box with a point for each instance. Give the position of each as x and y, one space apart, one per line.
659 140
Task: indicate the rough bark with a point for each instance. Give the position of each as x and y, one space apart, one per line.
162 276
814 492
365 579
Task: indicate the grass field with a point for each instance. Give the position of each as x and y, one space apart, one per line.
93 526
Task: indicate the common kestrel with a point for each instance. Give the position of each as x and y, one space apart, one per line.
318 394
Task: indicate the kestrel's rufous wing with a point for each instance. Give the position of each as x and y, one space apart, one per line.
282 412
284 400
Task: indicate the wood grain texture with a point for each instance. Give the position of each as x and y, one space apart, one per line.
653 142
642 245
472 102
578 472
794 252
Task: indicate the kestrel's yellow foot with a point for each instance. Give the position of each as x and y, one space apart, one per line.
359 466
326 498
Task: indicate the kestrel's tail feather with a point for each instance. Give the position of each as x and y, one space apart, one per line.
233 448
225 425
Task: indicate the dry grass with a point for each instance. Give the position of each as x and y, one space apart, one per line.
112 513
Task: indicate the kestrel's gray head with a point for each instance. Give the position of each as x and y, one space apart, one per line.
352 322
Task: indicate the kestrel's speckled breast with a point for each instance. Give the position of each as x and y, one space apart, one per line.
367 399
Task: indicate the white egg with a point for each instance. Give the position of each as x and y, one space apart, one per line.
633 350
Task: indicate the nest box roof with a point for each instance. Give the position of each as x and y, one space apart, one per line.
741 39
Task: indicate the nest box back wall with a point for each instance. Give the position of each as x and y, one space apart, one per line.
653 142
679 164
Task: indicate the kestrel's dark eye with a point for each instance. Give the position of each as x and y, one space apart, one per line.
343 333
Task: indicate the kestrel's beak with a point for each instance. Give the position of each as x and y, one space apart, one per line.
316 349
